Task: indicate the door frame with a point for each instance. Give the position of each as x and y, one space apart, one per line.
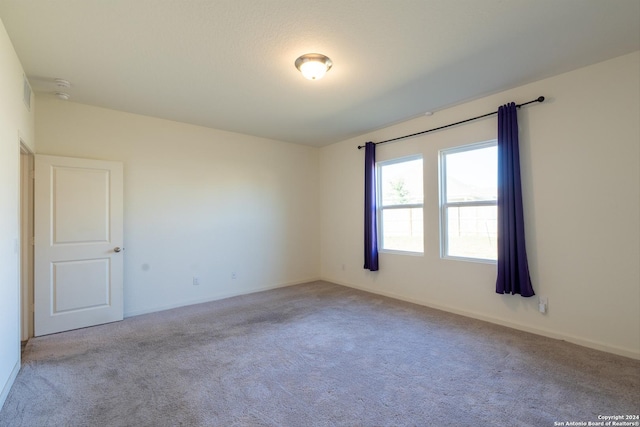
26 241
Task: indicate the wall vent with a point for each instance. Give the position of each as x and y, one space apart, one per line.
26 97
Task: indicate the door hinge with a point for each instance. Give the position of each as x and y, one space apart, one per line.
33 241
32 174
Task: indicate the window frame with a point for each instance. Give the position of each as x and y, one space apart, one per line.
380 208
444 205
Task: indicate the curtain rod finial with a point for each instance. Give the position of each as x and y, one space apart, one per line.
540 98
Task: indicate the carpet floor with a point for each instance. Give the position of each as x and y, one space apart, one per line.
316 354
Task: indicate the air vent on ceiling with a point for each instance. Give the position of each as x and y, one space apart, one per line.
26 97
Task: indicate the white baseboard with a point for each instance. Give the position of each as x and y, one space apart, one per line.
9 383
216 297
514 325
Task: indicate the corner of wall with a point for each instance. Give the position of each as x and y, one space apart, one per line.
7 386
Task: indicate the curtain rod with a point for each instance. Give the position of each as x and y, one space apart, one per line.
538 99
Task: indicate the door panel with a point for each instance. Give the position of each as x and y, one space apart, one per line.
85 222
78 233
78 285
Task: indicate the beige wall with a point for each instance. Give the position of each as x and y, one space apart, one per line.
198 202
580 155
16 124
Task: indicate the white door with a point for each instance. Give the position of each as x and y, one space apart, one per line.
78 243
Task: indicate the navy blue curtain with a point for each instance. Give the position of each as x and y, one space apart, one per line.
370 223
513 268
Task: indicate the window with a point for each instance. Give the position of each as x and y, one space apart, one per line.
468 202
400 203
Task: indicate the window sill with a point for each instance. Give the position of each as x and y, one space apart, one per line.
399 252
464 259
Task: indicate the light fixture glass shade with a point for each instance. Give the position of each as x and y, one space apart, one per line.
313 66
313 70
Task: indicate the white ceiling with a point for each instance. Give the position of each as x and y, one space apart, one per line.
228 64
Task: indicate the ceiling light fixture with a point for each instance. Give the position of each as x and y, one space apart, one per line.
313 66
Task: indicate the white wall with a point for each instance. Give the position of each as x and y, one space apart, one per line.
16 123
198 202
580 154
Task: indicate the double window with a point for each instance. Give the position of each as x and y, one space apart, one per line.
468 202
400 205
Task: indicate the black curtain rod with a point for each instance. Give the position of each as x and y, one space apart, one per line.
539 99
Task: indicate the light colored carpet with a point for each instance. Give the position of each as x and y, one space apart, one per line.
316 354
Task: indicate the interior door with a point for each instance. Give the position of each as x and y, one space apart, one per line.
78 231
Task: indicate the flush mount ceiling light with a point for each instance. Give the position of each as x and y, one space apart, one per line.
313 66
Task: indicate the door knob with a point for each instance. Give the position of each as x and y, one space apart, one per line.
117 249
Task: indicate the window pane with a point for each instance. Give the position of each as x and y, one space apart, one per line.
401 183
402 229
472 232
472 175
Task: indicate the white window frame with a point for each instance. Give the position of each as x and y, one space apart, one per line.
444 205
380 209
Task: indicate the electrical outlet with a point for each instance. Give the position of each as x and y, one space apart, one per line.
543 304
196 281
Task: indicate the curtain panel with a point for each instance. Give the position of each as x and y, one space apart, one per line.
370 208
513 268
